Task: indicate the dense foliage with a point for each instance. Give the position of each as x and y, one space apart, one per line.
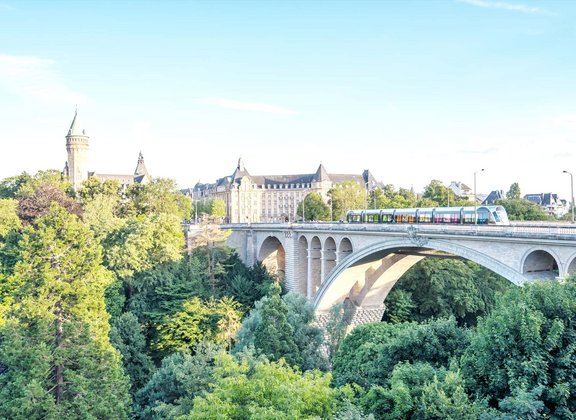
440 288
104 315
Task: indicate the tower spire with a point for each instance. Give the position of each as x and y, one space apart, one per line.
77 145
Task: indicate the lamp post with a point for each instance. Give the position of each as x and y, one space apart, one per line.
571 191
303 206
475 198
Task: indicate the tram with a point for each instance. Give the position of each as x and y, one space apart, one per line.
481 215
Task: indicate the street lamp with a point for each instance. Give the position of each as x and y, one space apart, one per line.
571 191
475 198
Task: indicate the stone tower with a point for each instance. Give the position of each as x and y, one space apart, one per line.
77 147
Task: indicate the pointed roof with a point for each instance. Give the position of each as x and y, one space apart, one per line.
240 171
321 174
141 171
75 126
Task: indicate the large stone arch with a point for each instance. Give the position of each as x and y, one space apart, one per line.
382 267
273 257
539 263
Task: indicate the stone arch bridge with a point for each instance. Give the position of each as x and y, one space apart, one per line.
360 263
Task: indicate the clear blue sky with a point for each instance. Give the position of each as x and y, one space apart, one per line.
412 90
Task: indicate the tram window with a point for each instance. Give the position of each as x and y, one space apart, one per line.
425 217
496 217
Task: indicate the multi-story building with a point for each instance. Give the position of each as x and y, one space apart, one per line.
550 203
76 167
271 198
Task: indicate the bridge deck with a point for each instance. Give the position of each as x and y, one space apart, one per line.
557 231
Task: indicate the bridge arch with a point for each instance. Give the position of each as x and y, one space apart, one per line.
571 266
329 256
345 248
538 263
371 272
314 265
273 256
302 268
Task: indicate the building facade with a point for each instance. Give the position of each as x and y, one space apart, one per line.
76 167
271 198
550 203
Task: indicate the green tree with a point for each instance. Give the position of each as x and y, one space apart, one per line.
94 187
127 337
9 220
161 196
306 335
367 356
421 391
440 288
336 328
54 344
212 240
522 356
246 285
140 244
218 208
519 209
212 320
346 196
100 214
514 192
443 196
313 208
274 336
171 390
257 388
10 187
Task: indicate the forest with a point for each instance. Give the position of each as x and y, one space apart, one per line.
104 315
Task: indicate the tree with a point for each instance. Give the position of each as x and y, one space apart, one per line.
140 244
54 344
522 356
94 187
336 328
160 196
127 337
37 203
9 187
307 336
181 377
217 208
212 320
100 214
442 196
211 239
346 196
514 192
369 353
274 336
440 288
24 185
518 209
256 388
9 220
313 207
